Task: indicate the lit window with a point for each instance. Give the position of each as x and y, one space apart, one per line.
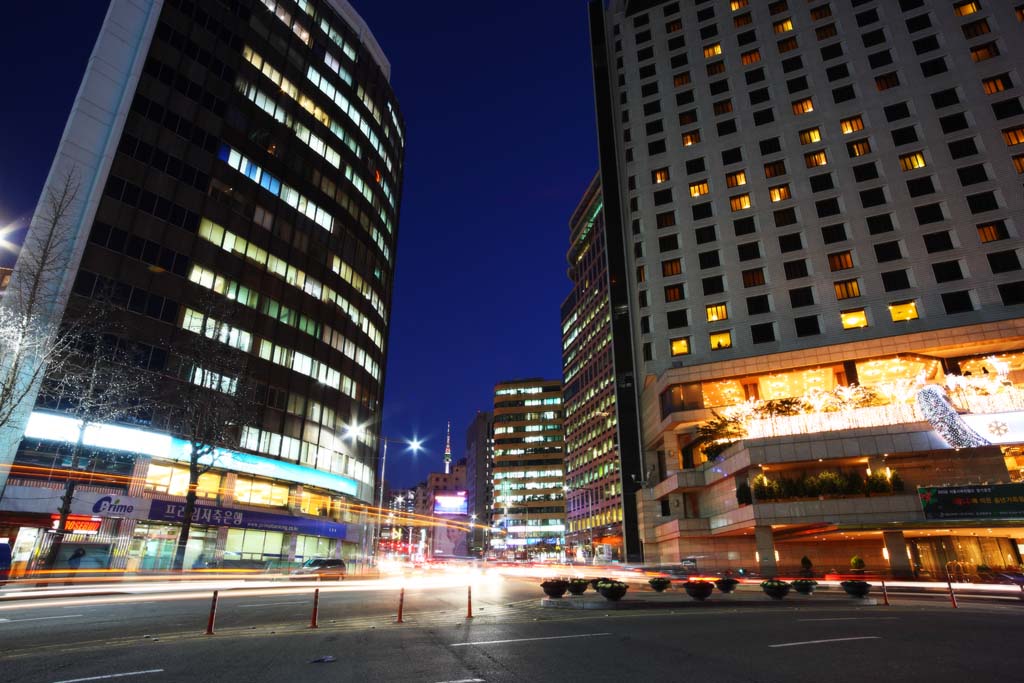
674 293
779 193
720 340
996 84
660 176
751 57
841 260
804 106
783 26
962 9
681 79
699 188
691 138
738 4
911 161
983 52
993 232
1013 136
1018 163
847 289
736 179
809 135
712 50
854 319
641 274
774 169
814 159
903 310
859 148
716 312
681 346
670 268
739 202
851 125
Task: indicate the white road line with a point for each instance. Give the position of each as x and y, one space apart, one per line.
100 678
465 680
63 616
523 640
852 619
268 604
830 640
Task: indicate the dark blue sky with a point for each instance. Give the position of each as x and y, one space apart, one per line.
498 104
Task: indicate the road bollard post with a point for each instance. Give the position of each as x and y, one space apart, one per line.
885 594
401 604
952 595
469 602
315 622
213 615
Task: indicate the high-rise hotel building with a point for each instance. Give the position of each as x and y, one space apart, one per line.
821 210
248 152
528 513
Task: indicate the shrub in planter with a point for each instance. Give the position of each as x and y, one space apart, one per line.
612 590
775 589
555 588
857 564
578 586
660 583
804 586
699 590
726 584
857 589
594 582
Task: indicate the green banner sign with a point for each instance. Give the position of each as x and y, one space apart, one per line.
996 501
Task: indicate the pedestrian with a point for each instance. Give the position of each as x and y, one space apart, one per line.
75 561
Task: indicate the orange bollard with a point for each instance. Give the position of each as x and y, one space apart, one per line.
952 595
885 595
469 602
213 615
314 622
401 603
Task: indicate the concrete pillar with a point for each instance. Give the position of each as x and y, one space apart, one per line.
222 541
765 543
899 562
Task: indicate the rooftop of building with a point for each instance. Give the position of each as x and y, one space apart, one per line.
349 14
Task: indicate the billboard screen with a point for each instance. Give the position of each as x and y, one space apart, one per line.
451 503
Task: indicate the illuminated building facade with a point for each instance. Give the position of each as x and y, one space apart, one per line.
819 205
529 470
479 475
248 152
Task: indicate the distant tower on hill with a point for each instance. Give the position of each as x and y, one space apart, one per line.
448 450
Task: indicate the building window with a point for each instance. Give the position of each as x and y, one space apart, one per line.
807 326
680 79
912 161
739 202
751 57
795 269
853 319
712 50
660 176
666 219
787 45
783 26
774 168
1013 136
963 9
641 274
736 179
887 81
851 125
992 232
672 267
980 53
699 188
779 193
847 289
815 159
738 4
762 333
958 302
903 310
680 346
753 277
720 340
841 260
809 136
691 138
804 106
716 312
674 293
858 148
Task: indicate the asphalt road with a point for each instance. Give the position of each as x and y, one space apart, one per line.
510 638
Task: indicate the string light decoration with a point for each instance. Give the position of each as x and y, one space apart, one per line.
946 421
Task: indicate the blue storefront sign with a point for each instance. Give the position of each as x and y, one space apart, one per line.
166 511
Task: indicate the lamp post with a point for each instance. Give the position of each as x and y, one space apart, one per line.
415 445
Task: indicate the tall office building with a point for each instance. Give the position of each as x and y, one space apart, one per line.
529 470
818 201
479 454
247 152
601 459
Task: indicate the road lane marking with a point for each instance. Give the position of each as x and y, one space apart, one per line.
852 619
465 680
100 678
269 604
523 640
830 640
62 616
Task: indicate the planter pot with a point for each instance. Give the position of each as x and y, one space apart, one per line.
857 589
776 592
804 587
594 582
578 588
612 593
726 585
555 589
660 586
699 590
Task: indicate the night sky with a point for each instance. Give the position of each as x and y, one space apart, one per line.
501 144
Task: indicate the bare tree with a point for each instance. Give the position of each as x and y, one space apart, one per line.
214 399
97 382
31 336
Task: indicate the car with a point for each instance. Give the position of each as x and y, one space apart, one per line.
321 568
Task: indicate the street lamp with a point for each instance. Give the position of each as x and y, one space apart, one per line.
415 445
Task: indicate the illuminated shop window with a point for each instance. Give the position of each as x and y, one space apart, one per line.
173 481
854 319
903 310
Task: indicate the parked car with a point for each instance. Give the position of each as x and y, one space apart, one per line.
321 568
